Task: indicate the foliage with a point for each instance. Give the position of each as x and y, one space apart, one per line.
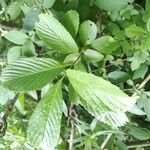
81 70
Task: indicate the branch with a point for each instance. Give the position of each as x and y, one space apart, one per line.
8 110
134 94
135 145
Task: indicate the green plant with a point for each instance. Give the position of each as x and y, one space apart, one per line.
82 61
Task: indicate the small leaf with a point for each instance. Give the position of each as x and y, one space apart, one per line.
44 125
139 133
105 44
119 76
101 98
13 54
111 5
139 58
55 35
30 19
16 37
140 72
71 58
28 48
93 56
71 22
134 31
87 32
28 74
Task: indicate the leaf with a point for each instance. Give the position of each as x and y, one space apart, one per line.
105 44
71 22
118 76
134 31
44 125
5 95
101 98
139 58
140 72
13 54
14 10
29 74
30 19
139 133
111 5
93 56
28 48
148 25
55 35
49 3
16 37
146 108
87 32
71 58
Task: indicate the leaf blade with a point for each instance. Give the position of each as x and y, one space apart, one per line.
29 74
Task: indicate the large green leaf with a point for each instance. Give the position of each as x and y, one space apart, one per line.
29 74
53 33
71 22
101 98
44 125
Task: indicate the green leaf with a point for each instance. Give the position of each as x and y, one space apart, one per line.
87 32
28 48
14 10
16 37
140 72
5 95
134 31
118 76
49 3
55 35
29 74
71 58
139 58
13 54
101 98
148 25
139 133
105 44
44 125
71 22
93 56
30 19
111 5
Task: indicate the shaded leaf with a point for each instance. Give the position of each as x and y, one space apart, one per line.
71 22
30 19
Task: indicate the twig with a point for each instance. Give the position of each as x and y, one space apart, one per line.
139 145
106 141
71 124
134 94
8 109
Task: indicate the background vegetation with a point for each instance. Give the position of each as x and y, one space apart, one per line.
49 50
